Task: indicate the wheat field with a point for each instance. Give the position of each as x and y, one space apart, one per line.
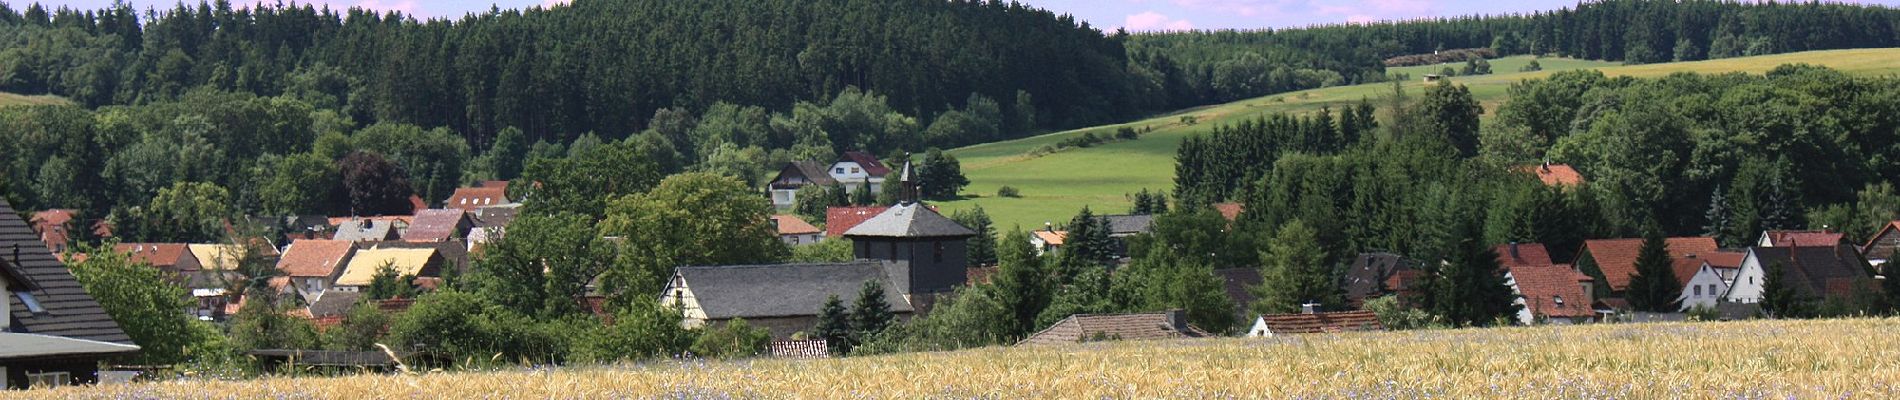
1830 359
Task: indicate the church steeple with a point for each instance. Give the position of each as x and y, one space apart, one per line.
909 193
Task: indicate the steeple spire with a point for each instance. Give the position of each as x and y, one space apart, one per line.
908 178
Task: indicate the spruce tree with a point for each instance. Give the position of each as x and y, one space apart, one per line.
1087 243
1294 271
1471 289
983 245
1654 287
1717 216
864 197
869 314
834 326
1021 282
1778 298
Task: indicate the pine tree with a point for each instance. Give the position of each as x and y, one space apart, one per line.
864 197
1471 289
1087 243
1294 271
834 326
1718 215
1778 298
1022 282
983 245
869 314
1654 287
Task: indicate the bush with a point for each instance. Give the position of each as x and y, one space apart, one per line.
1397 316
1126 133
733 339
1008 191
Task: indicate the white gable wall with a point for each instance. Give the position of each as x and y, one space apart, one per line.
679 295
1747 287
1703 289
1524 315
852 175
1259 328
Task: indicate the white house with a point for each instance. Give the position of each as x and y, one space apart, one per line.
857 167
1834 271
1047 241
1704 289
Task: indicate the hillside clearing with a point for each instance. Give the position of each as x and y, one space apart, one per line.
1752 359
10 99
1057 185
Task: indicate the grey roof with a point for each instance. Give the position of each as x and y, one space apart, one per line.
496 216
812 171
910 220
755 291
1827 271
1129 224
334 302
366 230
70 311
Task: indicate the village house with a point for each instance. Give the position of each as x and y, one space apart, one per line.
312 266
371 229
1047 241
1834 272
857 168
1310 320
797 175
1881 246
1611 262
52 333
472 198
365 263
795 231
1171 324
175 259
1704 285
1798 238
1230 211
439 225
1123 227
1376 274
1547 292
1239 284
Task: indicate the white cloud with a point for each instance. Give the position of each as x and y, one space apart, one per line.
1153 21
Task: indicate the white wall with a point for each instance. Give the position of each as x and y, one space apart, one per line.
1703 289
1748 283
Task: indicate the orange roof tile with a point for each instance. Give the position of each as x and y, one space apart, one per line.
472 198
1525 254
1802 238
1617 257
1723 259
157 254
1544 285
1554 174
792 225
1231 211
315 258
1053 238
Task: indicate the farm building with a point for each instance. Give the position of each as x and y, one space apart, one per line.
1171 324
52 333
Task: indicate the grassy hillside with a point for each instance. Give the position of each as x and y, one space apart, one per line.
1752 359
10 99
1055 186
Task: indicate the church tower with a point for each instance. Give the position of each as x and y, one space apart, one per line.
923 252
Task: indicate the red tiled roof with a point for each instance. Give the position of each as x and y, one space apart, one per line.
1088 327
1326 322
1802 238
157 254
841 219
870 164
1542 285
792 225
1554 174
1617 257
405 219
471 198
315 258
1231 211
52 225
1723 259
435 225
416 203
1526 254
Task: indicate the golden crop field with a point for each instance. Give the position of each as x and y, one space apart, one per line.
1830 359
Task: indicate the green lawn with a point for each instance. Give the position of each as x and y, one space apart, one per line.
1055 186
10 99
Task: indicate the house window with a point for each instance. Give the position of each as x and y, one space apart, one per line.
1698 291
48 379
839 170
1711 289
32 304
854 170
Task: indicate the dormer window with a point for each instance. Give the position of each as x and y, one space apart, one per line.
1558 300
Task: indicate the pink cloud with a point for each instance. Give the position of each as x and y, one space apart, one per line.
407 7
1153 21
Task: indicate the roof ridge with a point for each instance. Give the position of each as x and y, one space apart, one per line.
781 265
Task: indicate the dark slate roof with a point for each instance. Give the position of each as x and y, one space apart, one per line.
70 312
1236 282
812 171
1129 224
1369 270
910 220
334 302
1828 271
755 291
870 163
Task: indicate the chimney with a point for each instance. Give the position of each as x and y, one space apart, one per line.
1177 319
1514 251
1049 226
1309 308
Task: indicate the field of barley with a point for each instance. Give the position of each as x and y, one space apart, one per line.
1830 359
1055 186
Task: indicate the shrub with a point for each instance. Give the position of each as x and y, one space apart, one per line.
733 339
1008 191
1126 133
1397 316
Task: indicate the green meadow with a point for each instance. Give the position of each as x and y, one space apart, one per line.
10 99
1055 186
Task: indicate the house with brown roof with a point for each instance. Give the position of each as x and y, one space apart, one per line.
1818 272
1079 328
1881 246
1313 321
472 198
439 225
173 258
1611 262
857 168
1378 274
312 266
841 219
1553 174
795 231
797 175
1799 238
1551 293
1230 211
55 228
52 333
1705 285
1047 241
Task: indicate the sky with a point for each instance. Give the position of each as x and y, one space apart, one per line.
1134 15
